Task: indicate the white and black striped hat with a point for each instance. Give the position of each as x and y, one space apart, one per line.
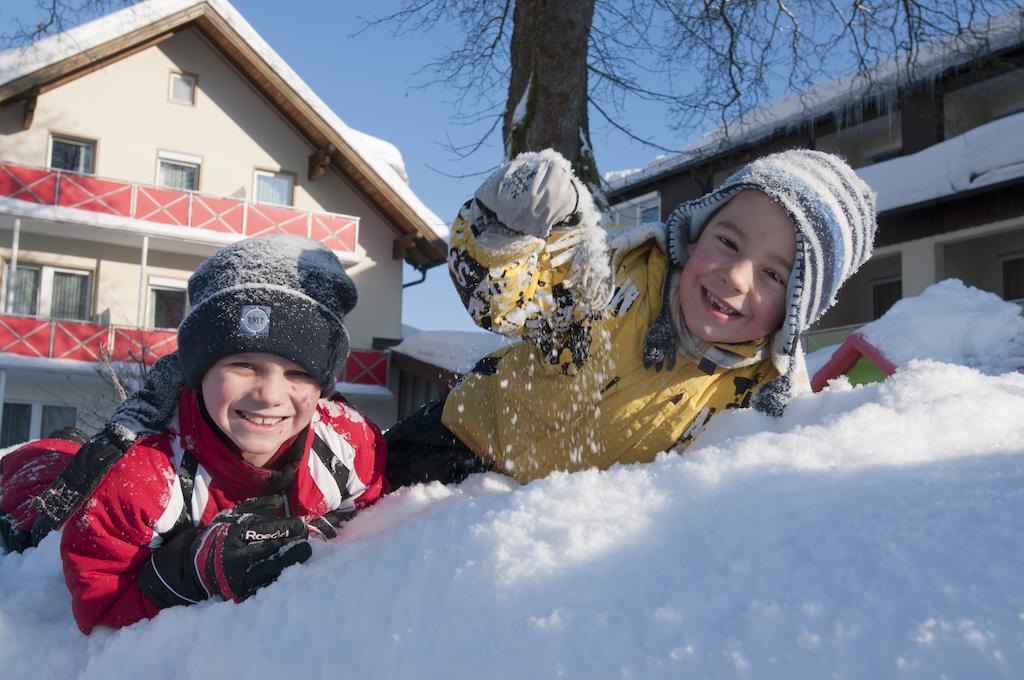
833 214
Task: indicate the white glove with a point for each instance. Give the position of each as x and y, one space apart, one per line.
531 194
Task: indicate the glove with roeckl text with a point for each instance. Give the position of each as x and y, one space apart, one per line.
243 549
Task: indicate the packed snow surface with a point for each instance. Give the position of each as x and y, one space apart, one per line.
870 532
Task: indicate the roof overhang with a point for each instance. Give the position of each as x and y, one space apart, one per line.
417 242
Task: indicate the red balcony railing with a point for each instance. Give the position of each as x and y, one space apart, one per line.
82 341
174 207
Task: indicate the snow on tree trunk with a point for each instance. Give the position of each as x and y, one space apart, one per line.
547 93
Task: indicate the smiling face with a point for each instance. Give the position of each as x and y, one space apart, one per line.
259 401
733 286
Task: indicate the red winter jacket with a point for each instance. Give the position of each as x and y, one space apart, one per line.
340 466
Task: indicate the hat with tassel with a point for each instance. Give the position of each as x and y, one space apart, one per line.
833 214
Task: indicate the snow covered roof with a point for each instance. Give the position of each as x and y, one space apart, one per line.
455 351
833 96
373 160
987 155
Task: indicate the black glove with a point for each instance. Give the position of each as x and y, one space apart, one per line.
242 550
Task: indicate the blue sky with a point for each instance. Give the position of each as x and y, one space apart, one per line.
369 80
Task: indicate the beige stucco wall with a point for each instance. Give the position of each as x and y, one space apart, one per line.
124 107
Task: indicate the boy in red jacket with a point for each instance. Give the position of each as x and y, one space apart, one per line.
258 453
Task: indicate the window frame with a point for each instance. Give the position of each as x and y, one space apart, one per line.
184 75
177 158
36 415
162 283
292 179
72 139
1001 261
872 284
637 206
44 296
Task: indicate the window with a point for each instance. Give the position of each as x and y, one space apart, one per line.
168 302
178 171
273 187
652 214
182 89
49 292
639 210
1012 274
68 153
69 297
884 294
54 418
24 291
22 422
17 425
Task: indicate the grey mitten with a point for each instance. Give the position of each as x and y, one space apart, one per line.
531 194
147 410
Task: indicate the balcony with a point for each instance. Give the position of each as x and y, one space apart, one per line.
40 338
174 207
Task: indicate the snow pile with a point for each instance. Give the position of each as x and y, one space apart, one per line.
870 532
952 323
455 351
986 155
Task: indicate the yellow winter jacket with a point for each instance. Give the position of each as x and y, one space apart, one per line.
575 394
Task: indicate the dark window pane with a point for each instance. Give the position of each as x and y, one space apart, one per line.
26 292
884 295
72 155
1013 279
57 417
17 424
70 296
168 308
175 175
650 215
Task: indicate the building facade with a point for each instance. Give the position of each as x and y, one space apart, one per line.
945 156
131 149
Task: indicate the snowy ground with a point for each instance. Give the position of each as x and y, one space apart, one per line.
872 532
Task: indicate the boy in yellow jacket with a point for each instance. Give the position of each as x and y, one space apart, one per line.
631 347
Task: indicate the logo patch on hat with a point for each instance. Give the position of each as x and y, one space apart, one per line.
254 321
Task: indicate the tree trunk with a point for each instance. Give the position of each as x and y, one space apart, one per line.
547 94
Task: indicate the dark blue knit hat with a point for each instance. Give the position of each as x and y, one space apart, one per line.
283 295
833 214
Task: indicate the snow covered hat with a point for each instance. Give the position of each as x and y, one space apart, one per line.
833 213
283 295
